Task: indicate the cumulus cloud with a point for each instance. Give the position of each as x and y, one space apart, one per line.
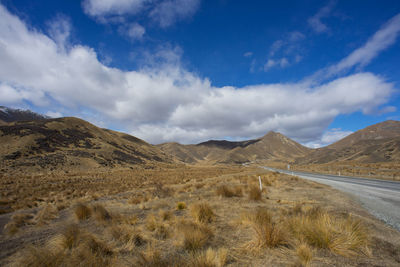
169 103
315 21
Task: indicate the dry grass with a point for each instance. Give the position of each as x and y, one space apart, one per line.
227 191
163 234
343 236
158 227
209 258
304 253
194 236
100 213
61 189
267 233
254 193
17 221
202 212
71 248
82 212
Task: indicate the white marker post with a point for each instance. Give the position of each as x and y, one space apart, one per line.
259 179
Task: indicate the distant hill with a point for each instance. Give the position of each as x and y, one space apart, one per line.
376 143
71 143
10 115
272 146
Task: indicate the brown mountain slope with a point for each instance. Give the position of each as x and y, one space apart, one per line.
70 143
376 143
272 146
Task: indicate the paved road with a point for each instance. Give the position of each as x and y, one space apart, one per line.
380 197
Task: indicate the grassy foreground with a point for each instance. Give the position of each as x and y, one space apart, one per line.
206 216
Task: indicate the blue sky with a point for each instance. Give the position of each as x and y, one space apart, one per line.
192 70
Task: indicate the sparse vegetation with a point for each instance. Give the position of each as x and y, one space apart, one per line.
194 236
161 232
82 212
181 206
254 193
226 191
267 233
202 212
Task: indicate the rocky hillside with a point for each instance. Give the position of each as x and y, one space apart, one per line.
376 143
70 144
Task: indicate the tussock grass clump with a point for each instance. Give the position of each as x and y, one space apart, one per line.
267 233
159 229
304 254
254 193
343 236
166 215
202 212
153 258
82 212
100 213
226 191
181 206
194 236
209 258
127 235
70 248
46 214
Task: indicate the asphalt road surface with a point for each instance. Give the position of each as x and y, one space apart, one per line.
380 197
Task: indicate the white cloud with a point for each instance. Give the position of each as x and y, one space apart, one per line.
54 114
133 31
282 63
163 12
168 103
9 95
315 21
60 30
329 137
382 39
281 50
248 54
168 12
103 8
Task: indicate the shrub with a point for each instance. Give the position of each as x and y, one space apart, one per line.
202 212
254 193
226 191
181 206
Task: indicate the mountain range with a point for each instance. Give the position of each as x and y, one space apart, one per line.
32 142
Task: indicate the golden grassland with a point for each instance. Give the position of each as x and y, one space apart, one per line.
61 189
192 216
380 170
